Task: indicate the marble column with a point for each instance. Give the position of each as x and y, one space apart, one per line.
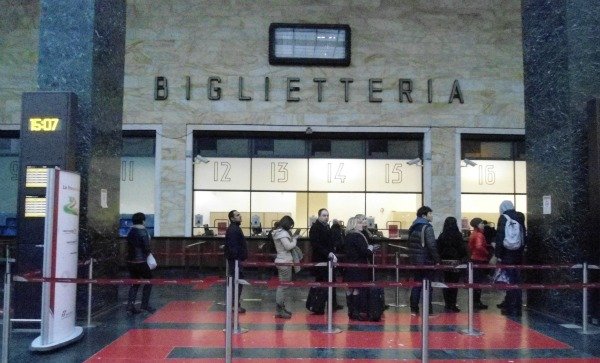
82 50
561 67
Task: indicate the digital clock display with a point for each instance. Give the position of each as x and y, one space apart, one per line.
44 124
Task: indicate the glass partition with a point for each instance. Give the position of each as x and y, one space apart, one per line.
9 179
267 177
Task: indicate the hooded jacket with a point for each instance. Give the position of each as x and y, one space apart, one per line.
419 254
509 257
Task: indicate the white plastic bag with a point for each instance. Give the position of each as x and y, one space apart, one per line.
151 261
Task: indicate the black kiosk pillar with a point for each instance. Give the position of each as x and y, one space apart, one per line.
48 122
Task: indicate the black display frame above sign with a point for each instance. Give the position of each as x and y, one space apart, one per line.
297 61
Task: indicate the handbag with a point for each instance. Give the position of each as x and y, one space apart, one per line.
151 261
500 277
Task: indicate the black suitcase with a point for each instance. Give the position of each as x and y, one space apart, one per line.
317 297
375 303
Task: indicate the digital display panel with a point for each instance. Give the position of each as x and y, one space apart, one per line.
44 124
35 206
36 177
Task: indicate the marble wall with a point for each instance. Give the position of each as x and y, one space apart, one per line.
561 65
476 42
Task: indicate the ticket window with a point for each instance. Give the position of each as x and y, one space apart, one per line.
265 179
495 171
9 179
137 186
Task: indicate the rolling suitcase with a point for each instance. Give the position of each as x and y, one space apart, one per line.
317 297
375 303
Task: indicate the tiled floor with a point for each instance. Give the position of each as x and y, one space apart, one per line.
188 327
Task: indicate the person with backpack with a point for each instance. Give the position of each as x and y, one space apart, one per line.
510 244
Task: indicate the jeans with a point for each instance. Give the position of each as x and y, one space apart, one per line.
415 292
285 275
139 271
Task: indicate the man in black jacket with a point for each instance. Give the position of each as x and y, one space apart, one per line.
323 249
422 251
236 248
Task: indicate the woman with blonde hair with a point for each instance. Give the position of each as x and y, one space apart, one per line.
285 242
358 251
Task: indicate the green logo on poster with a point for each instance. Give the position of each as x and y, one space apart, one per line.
71 207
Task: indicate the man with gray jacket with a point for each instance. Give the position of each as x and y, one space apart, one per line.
422 251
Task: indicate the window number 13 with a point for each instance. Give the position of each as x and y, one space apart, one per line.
279 172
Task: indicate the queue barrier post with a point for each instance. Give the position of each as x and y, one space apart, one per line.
397 303
89 300
470 330
228 312
6 325
236 301
425 321
330 329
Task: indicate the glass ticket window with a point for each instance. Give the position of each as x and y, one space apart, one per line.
137 178
267 176
492 170
9 179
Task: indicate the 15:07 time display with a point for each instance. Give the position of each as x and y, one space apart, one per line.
44 124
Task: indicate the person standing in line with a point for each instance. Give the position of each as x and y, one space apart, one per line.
236 249
422 251
479 256
138 249
451 246
284 243
323 249
513 300
359 251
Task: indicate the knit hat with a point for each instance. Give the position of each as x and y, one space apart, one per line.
475 222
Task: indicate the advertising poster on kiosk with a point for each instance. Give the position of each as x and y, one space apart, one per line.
61 240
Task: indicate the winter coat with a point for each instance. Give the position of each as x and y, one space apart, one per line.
419 254
320 241
478 247
357 251
284 243
451 246
509 257
138 244
236 247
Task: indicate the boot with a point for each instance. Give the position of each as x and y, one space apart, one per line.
282 313
349 304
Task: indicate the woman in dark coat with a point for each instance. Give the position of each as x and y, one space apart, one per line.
358 251
451 246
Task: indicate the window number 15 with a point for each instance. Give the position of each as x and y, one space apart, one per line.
393 173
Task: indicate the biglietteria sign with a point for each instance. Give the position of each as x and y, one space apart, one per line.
61 241
292 86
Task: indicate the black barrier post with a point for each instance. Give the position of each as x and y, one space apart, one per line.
228 310
425 322
330 328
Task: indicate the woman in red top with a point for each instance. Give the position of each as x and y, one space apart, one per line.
479 255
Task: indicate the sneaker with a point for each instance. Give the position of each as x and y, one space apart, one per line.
414 311
241 310
149 309
502 305
338 307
